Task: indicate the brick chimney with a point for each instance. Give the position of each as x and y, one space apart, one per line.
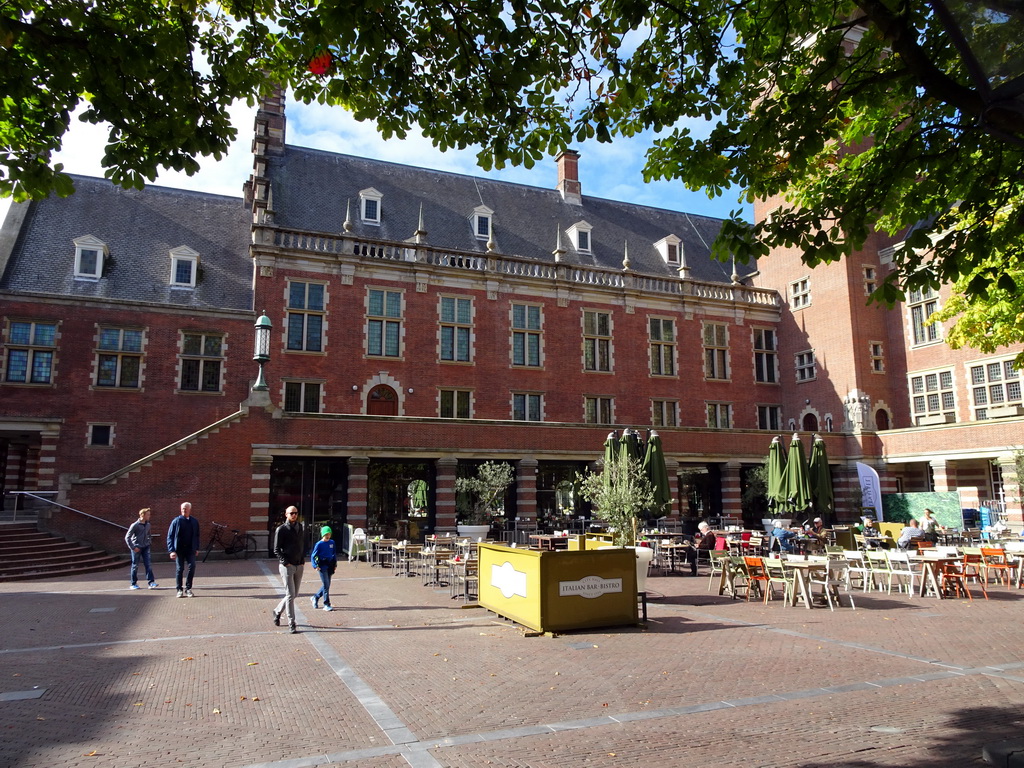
569 177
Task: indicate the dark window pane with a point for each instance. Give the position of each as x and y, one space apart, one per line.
211 376
190 375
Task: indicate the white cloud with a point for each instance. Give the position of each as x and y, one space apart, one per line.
611 171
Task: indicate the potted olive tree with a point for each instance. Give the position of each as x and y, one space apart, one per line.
621 493
486 498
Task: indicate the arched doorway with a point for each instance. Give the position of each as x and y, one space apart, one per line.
382 401
810 423
881 419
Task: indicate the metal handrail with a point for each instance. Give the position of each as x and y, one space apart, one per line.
32 495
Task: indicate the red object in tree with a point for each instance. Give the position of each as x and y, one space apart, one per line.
320 62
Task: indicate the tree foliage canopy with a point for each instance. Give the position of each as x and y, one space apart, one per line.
780 93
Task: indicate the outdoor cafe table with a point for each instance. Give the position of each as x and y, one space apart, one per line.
673 548
802 570
930 573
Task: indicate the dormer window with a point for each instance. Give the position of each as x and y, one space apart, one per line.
89 253
184 267
671 249
482 222
580 234
369 205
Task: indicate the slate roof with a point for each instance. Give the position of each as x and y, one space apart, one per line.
310 189
139 227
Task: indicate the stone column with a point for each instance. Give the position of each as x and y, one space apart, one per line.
674 509
444 520
526 489
943 475
731 491
259 501
1012 490
357 490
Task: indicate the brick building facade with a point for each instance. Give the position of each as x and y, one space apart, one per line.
424 322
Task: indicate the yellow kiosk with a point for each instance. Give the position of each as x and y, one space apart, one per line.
553 591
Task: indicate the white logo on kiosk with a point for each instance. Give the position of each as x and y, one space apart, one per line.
508 580
589 587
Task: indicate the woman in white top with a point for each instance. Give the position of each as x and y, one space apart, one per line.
930 526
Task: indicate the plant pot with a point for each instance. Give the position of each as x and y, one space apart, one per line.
644 555
474 532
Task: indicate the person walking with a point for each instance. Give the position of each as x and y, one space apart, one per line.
290 550
183 546
324 560
137 540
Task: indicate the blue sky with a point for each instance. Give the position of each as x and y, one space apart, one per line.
612 171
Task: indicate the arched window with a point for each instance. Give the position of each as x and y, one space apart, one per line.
382 401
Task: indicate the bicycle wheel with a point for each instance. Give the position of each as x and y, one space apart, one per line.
250 546
209 546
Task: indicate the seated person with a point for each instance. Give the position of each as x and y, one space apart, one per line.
818 530
867 527
704 540
908 534
782 538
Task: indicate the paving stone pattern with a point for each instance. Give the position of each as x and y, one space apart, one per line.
401 675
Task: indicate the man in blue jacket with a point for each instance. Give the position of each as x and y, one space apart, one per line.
183 545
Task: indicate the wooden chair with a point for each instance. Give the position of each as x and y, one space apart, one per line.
857 567
830 578
880 569
719 561
904 571
756 576
954 576
922 544
995 560
777 574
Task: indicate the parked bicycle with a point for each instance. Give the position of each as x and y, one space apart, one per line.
238 545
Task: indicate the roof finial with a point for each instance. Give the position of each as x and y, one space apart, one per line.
348 215
625 256
735 274
421 232
559 251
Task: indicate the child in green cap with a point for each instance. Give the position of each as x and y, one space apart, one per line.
324 561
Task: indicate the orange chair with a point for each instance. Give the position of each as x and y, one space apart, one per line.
969 567
995 560
951 576
922 544
757 576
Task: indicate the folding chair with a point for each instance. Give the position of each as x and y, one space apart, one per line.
777 574
830 577
880 569
904 571
719 561
996 560
756 576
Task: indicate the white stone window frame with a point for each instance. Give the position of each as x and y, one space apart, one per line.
526 397
719 414
600 403
303 383
876 353
800 293
671 250
368 195
89 434
660 408
455 393
767 355
767 409
89 243
870 275
483 219
721 361
805 360
184 254
586 230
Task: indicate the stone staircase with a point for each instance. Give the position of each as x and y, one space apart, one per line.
28 553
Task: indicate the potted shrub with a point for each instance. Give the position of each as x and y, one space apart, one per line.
621 493
486 493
